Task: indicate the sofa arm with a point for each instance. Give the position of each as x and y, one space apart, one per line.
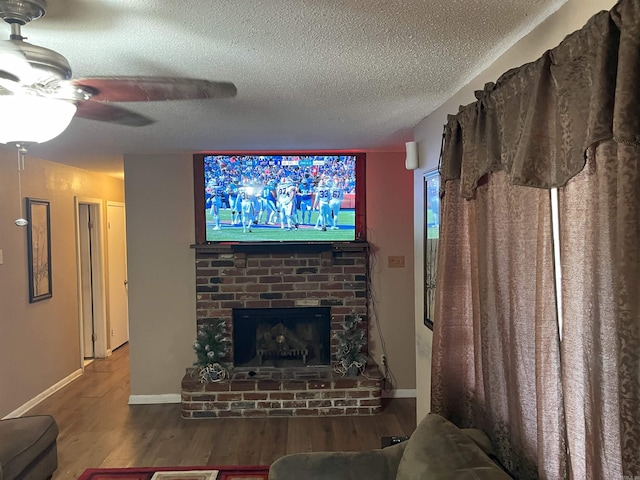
371 465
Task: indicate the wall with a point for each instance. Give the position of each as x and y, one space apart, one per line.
389 220
161 264
40 342
571 17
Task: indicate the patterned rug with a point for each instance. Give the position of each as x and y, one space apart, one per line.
258 472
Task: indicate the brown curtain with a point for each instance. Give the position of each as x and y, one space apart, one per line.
537 121
600 255
555 407
496 352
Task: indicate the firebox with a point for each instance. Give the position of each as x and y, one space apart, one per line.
281 337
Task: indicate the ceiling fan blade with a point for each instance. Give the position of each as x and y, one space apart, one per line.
8 76
110 113
149 89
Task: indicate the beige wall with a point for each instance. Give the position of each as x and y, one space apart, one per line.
572 16
160 230
389 221
161 267
40 342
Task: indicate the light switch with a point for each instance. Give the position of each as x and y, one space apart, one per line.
1 257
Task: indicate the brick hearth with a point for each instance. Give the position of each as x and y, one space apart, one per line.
274 392
332 276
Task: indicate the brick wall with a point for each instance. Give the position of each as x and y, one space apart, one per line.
227 279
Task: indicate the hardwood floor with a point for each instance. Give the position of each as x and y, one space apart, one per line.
99 429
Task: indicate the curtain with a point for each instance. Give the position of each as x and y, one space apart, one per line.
555 406
600 254
496 350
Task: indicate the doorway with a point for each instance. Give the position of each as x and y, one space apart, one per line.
91 292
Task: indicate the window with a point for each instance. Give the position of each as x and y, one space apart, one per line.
431 235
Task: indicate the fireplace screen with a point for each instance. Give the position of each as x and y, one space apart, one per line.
281 337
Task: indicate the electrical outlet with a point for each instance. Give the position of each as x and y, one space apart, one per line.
383 359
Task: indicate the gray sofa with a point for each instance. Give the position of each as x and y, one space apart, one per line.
436 450
28 448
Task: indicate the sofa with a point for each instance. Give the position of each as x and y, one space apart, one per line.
436 450
28 448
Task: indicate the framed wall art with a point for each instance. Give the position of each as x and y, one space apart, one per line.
39 249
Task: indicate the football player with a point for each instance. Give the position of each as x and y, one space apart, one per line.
336 195
215 194
247 207
234 203
306 201
321 203
286 192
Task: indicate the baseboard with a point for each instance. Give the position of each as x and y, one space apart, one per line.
150 399
47 393
400 393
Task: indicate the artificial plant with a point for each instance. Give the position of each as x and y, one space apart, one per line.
351 340
211 346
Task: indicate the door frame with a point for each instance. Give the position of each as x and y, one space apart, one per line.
98 274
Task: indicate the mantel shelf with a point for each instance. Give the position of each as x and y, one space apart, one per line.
289 247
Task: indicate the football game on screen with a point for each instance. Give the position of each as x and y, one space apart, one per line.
281 198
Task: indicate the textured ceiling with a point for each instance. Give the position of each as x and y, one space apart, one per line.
311 74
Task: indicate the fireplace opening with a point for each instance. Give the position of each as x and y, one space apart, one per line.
281 337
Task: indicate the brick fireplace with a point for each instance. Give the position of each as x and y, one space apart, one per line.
232 280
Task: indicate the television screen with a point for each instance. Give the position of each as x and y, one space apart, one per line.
280 197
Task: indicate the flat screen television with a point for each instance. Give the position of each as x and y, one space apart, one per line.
292 198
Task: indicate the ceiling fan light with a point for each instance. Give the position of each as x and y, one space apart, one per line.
33 118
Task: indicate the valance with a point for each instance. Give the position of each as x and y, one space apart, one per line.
538 121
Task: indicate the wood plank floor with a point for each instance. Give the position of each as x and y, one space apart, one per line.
99 429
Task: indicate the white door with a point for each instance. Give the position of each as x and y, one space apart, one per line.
117 254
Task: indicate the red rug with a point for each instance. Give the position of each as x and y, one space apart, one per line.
259 472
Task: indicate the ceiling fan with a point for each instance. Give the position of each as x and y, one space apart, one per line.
30 74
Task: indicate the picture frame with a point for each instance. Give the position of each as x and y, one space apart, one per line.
39 249
431 239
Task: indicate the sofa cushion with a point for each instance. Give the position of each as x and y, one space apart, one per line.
480 438
23 440
370 465
440 450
